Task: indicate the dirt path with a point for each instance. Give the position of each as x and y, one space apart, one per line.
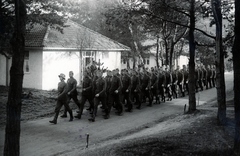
38 137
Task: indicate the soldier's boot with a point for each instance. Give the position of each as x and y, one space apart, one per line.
54 121
78 116
64 114
71 115
139 106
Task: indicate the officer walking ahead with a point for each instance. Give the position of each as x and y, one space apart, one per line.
61 99
72 92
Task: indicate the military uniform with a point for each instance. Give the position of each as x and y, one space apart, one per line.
87 94
180 80
135 89
126 87
200 79
100 95
185 82
209 76
174 83
62 100
161 84
72 94
114 94
168 85
154 87
145 88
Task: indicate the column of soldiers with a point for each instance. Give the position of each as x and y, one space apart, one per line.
134 87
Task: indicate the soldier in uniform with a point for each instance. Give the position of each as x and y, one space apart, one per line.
180 78
200 79
196 77
99 87
154 85
135 88
161 83
145 87
174 83
168 84
72 92
213 76
62 99
126 87
185 77
114 93
209 76
204 77
108 84
87 94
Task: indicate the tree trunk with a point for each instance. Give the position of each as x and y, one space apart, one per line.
171 55
220 80
191 82
157 53
166 51
136 45
236 68
12 131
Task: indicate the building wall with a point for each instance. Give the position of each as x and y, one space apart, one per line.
3 64
111 60
33 77
54 63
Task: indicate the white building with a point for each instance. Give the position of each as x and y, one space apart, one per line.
49 53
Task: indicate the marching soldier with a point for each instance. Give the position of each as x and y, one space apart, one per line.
200 79
185 77
213 75
87 94
196 77
145 87
180 78
99 87
161 83
154 85
168 83
114 93
72 92
62 99
135 88
209 76
126 83
204 79
174 83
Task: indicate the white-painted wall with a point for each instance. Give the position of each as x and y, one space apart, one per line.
2 70
33 78
55 63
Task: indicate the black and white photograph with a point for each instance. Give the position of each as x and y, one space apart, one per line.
120 77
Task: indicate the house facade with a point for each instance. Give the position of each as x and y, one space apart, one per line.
49 52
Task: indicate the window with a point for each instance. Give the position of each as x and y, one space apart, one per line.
26 62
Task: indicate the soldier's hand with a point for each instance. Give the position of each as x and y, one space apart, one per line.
116 91
152 87
68 93
135 90
97 95
84 89
127 91
146 89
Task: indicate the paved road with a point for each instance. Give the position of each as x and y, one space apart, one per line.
41 138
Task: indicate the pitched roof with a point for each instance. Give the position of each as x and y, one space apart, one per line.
35 36
74 36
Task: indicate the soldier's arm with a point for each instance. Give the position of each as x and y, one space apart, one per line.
90 85
120 85
104 87
74 86
130 83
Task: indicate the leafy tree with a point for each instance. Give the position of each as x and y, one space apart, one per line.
16 14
